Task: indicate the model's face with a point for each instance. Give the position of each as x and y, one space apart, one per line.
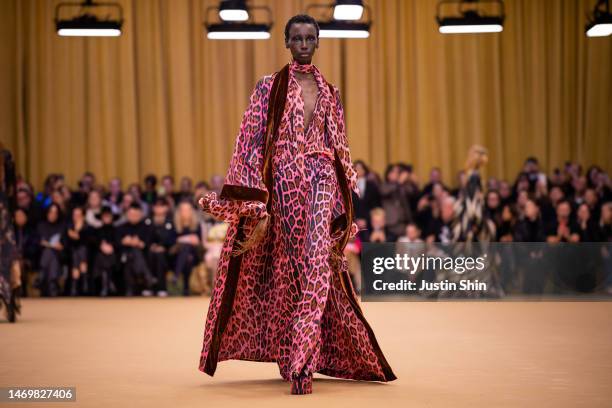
302 42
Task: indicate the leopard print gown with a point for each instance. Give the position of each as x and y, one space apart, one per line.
293 307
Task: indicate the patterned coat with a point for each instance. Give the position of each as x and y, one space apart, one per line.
250 317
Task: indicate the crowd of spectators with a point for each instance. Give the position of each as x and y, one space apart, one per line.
97 240
106 240
568 205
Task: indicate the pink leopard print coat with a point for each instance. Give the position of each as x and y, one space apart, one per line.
289 299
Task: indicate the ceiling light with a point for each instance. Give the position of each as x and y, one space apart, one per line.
225 31
233 29
233 10
469 19
347 20
337 29
86 23
348 9
600 23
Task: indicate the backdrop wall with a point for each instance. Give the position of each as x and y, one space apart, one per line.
164 99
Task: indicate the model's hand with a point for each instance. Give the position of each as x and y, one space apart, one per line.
205 201
225 210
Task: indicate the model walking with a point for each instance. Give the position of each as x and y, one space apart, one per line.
282 291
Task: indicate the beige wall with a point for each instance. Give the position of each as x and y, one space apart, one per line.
162 98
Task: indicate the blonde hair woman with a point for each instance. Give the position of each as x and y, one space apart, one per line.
188 248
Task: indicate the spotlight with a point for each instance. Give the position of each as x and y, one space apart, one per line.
86 23
348 20
600 24
233 10
228 29
338 29
470 20
348 9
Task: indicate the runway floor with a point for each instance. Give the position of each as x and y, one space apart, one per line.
137 352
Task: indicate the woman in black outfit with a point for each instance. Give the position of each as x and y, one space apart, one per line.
587 227
530 230
52 243
76 240
104 250
188 247
163 237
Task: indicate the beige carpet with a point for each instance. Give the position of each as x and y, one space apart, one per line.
141 352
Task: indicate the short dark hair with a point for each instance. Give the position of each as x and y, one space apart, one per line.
151 179
160 201
134 205
300 18
406 167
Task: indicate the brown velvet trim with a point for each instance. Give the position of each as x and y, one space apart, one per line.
338 224
341 222
348 201
344 278
386 368
234 192
226 306
276 108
